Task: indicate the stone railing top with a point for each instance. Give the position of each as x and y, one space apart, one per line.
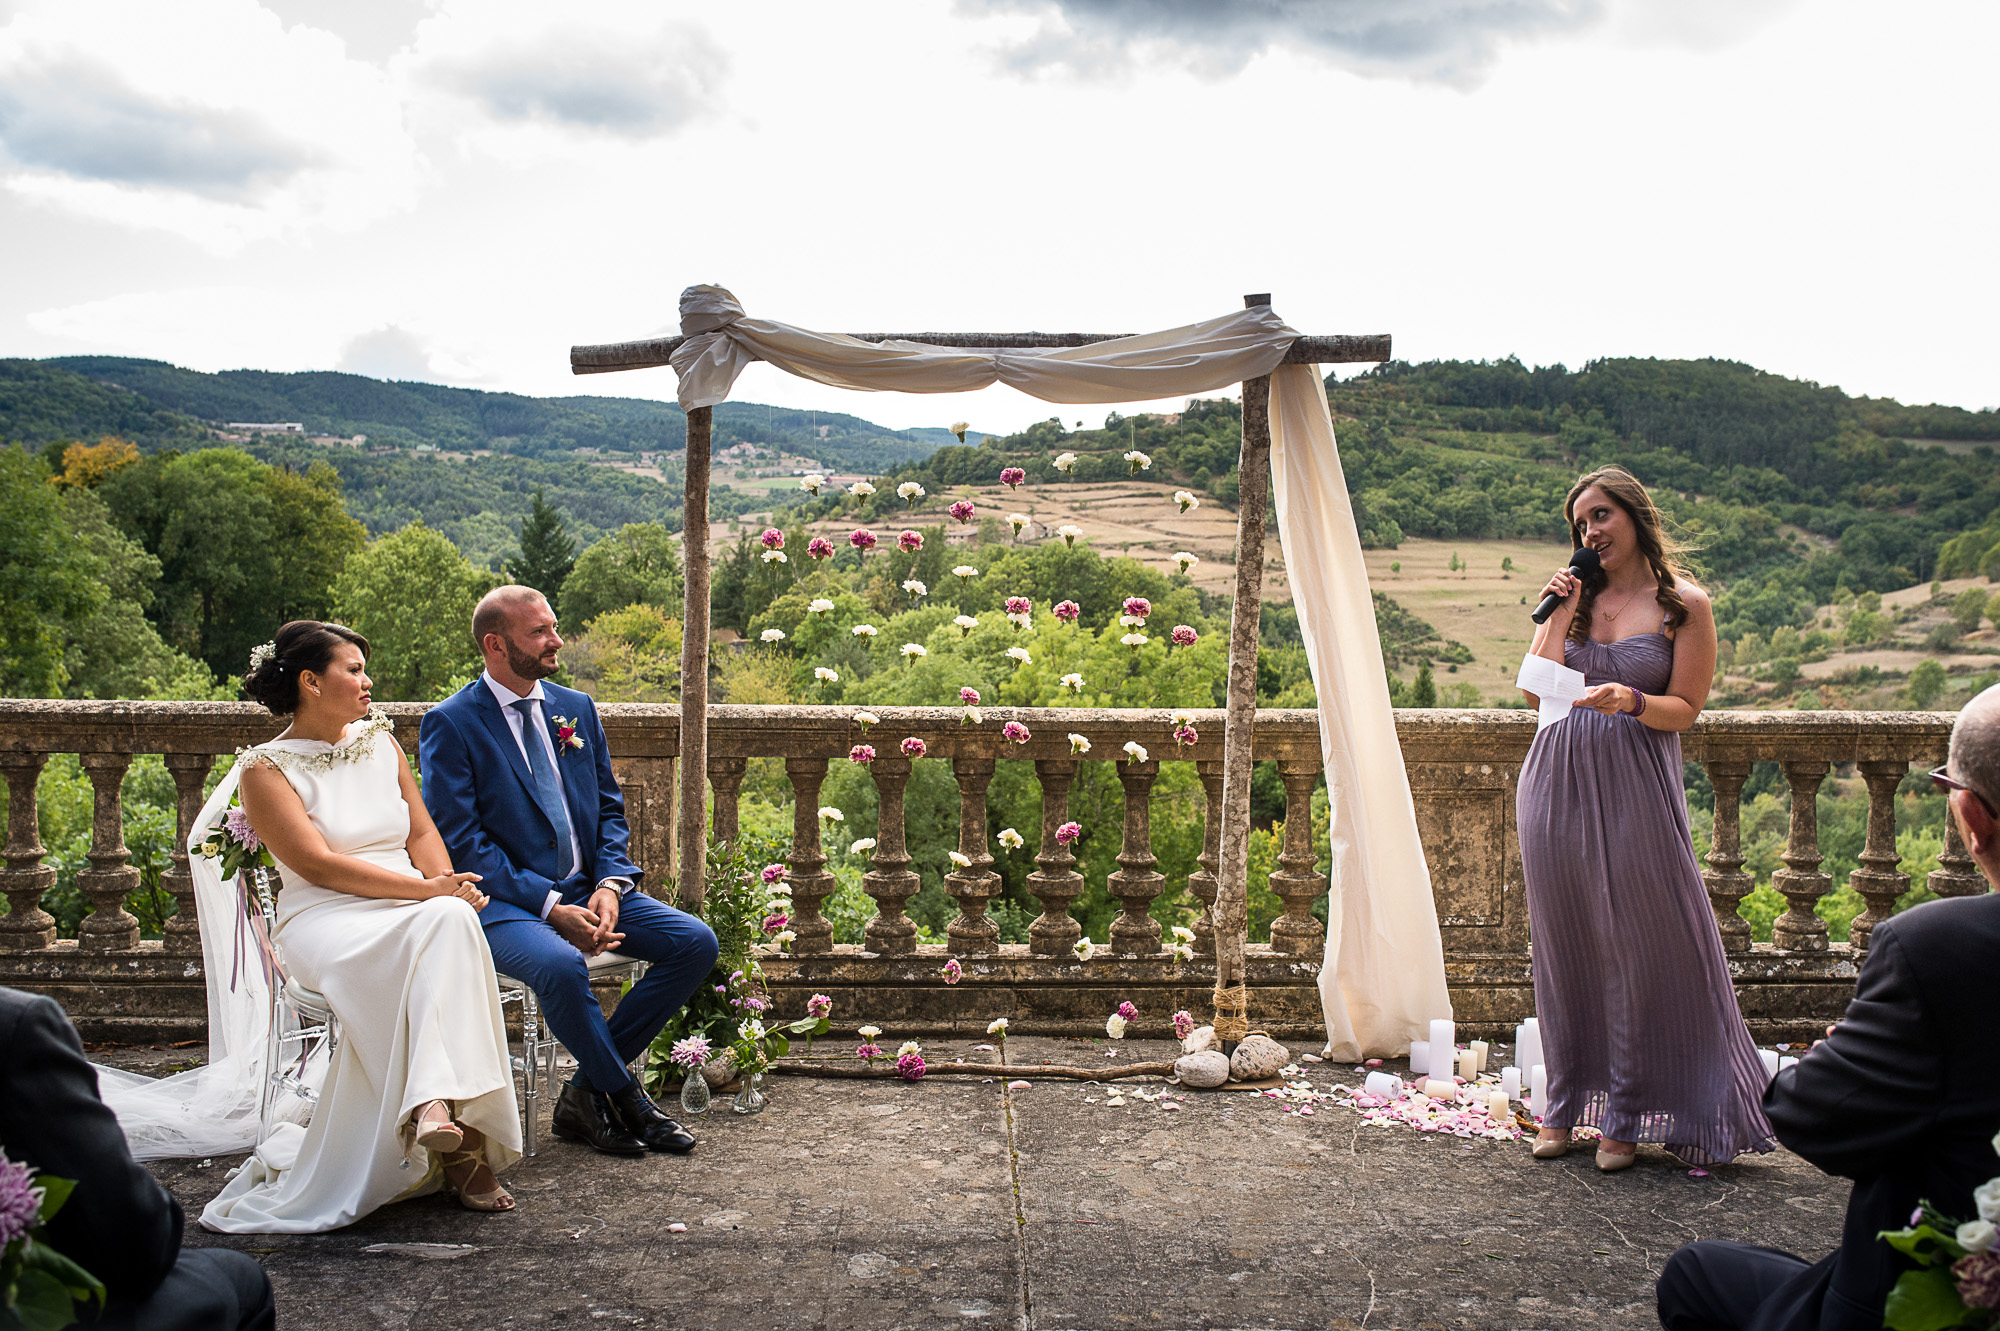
638 730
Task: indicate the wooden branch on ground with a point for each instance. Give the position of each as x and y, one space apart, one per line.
1337 349
1014 1070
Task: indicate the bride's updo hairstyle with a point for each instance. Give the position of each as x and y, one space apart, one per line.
303 644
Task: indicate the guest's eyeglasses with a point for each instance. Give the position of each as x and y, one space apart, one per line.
1943 780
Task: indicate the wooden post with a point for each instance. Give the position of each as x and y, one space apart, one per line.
693 820
1232 911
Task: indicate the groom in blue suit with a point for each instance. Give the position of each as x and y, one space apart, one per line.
517 776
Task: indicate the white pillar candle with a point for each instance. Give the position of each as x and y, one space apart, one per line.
1439 1089
1510 1082
1538 1080
1787 1061
1443 1059
1530 1052
1468 1064
1420 1057
1496 1105
1386 1085
1481 1048
1770 1058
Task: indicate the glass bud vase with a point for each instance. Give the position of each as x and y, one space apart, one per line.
695 1093
750 1099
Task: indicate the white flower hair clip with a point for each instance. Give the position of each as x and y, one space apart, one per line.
262 653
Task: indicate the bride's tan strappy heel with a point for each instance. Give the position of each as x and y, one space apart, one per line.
471 1163
435 1130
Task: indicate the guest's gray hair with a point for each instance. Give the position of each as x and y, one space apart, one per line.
1975 746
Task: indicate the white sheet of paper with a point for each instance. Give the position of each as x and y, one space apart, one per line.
1554 683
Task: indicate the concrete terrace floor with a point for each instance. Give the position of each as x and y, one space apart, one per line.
960 1203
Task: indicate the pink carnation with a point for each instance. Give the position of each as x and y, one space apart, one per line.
1067 611
1127 1011
1019 605
1068 833
1012 476
775 922
819 548
914 747
871 1052
20 1208
969 696
862 539
819 1005
1138 605
1017 732
911 1066
1183 1024
861 753
962 510
953 972
775 873
772 539
1186 736
1978 1278
237 823
911 540
1184 636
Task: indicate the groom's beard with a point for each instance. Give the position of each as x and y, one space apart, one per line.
526 666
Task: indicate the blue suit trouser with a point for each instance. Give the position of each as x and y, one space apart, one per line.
680 948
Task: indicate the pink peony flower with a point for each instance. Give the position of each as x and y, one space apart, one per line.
1127 1011
914 747
1011 477
1068 833
962 510
772 539
819 548
819 1005
20 1201
1185 736
1138 605
911 1067
1183 636
237 823
1017 732
1019 605
969 696
775 922
1067 611
911 540
862 539
775 873
953 972
1183 1024
861 753
870 1051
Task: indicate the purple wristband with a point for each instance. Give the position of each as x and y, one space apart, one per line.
1639 707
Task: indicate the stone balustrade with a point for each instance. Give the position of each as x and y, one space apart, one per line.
1462 767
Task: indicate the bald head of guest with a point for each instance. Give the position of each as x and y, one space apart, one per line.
516 632
1975 768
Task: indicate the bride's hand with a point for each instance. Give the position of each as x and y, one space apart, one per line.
456 885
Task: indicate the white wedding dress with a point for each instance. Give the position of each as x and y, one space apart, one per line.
411 985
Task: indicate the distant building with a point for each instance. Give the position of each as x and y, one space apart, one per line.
269 427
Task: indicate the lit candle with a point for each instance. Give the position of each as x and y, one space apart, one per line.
1386 1085
1770 1058
1481 1048
1538 1080
1468 1064
1420 1057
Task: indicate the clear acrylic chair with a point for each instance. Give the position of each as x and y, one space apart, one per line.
301 1019
537 1060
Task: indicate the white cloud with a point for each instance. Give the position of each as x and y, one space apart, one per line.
388 352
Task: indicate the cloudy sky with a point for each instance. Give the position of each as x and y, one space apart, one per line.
459 191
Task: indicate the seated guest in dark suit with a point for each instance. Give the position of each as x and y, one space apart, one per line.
119 1224
1889 1099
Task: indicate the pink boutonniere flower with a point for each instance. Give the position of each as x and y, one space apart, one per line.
566 736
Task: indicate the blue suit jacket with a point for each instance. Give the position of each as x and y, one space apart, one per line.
482 798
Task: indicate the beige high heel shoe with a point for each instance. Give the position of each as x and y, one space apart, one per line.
461 1169
435 1130
1613 1161
1551 1148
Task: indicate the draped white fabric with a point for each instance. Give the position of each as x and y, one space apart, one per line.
1383 979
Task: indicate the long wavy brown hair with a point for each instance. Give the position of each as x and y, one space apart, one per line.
1662 551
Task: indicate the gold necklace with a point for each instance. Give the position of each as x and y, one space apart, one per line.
1611 616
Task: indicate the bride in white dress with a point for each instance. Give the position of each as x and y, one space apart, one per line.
420 1091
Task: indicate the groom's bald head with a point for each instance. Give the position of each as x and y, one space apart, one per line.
516 632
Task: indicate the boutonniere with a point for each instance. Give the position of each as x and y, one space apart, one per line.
566 736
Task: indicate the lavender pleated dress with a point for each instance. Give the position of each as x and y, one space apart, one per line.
1640 1030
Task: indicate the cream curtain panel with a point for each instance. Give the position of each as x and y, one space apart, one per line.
1383 978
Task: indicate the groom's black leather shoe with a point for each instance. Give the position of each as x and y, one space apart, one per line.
642 1118
587 1117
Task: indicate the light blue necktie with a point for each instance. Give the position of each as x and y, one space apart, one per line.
548 791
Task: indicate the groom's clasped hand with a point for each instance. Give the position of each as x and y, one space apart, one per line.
589 929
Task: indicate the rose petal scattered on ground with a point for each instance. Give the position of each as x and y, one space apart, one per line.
1019 1085
1697 1173
677 1228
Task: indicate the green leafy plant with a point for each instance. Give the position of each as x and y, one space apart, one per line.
39 1287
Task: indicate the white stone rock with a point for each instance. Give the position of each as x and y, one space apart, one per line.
1258 1057
1200 1040
720 1070
1203 1069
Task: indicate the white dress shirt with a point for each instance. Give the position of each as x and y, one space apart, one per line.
506 697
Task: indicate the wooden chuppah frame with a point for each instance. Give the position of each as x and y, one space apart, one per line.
1231 911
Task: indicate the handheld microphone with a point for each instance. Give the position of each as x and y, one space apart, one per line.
1586 565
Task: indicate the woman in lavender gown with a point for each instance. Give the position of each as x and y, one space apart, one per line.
1640 1031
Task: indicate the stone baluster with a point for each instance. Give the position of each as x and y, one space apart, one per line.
1877 880
110 878
976 884
811 883
889 879
1055 881
1801 882
1136 883
26 926
1201 883
725 781
1297 932
1957 875
1724 877
183 931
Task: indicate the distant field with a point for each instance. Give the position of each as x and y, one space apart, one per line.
1479 606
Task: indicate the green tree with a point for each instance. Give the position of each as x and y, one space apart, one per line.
639 564
115 652
1969 608
1424 692
48 582
548 552
1927 682
412 595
